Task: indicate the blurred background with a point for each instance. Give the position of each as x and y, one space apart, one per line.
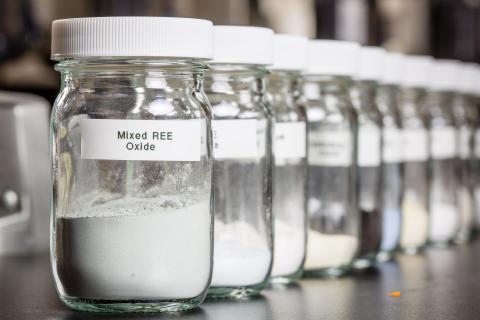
442 28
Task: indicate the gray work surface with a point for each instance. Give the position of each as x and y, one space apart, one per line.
440 284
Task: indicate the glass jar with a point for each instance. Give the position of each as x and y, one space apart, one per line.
465 116
243 162
132 165
415 219
392 184
444 217
364 99
290 150
369 171
333 228
414 234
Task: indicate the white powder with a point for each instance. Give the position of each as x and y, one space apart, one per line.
329 251
241 256
444 222
289 248
414 222
135 249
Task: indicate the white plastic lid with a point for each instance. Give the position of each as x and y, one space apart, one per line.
477 80
393 68
242 45
445 75
468 74
332 57
371 63
132 37
417 71
289 52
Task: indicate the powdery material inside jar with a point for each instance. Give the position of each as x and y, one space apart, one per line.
289 248
391 226
329 251
444 222
143 248
239 257
414 222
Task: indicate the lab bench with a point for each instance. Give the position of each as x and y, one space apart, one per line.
440 284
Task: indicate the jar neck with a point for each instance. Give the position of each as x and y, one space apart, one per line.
387 97
110 73
412 100
364 95
283 87
241 81
317 87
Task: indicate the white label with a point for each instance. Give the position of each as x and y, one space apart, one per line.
238 139
290 140
477 143
331 148
392 145
148 140
369 145
261 137
415 144
464 142
442 143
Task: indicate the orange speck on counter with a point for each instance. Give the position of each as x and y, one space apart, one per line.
395 294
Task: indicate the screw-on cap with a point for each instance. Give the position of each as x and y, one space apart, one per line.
371 61
242 45
289 52
417 71
445 75
331 57
393 68
467 78
131 37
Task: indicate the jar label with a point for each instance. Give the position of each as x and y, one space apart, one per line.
146 140
442 143
464 142
330 148
369 146
415 144
239 139
392 145
290 140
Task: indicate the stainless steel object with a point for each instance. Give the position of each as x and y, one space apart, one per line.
24 174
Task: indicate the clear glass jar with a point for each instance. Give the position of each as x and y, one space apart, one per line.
414 234
333 225
129 221
392 168
465 116
243 180
290 175
364 99
444 217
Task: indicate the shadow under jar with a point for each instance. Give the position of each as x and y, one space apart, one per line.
132 167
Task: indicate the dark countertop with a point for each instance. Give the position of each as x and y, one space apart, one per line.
441 284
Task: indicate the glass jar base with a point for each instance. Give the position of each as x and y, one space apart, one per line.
412 250
243 292
286 279
463 237
440 244
365 262
332 272
124 306
384 256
